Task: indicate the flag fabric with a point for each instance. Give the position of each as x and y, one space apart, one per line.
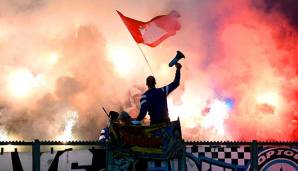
152 32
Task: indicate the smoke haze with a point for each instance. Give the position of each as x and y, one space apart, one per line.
239 78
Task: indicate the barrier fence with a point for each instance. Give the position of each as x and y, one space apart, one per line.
201 155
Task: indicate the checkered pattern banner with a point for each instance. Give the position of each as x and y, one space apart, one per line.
235 155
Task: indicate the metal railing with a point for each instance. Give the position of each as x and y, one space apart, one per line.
37 144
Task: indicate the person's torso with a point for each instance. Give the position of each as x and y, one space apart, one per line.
157 105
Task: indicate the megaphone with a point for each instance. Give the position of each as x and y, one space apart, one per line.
178 56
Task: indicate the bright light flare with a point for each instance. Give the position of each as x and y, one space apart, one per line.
70 121
209 125
164 71
21 83
269 102
53 58
219 111
122 59
271 98
187 111
3 135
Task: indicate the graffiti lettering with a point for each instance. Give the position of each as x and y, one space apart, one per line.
276 153
261 160
279 158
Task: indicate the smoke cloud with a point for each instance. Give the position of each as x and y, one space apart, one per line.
239 78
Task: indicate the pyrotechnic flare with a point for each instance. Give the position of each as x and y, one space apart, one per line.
21 83
3 135
70 121
53 58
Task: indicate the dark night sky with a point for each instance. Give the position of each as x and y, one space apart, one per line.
289 8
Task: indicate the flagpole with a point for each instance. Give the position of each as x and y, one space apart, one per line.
145 59
120 14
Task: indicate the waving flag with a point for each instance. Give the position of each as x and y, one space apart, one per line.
153 32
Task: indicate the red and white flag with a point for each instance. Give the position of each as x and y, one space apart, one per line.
152 32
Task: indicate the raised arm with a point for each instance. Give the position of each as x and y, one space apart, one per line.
173 85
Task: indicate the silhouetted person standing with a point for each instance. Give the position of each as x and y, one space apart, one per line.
154 100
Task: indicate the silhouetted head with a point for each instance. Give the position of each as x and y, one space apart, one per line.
113 115
124 118
150 82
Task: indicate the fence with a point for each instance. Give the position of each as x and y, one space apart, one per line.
201 155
